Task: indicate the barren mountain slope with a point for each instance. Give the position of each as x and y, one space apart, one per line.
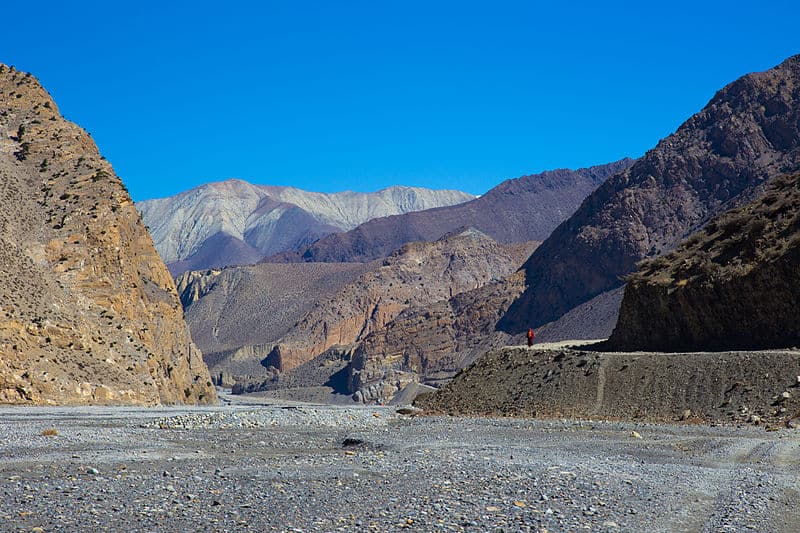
254 306
749 132
735 285
266 220
417 274
89 312
431 343
518 210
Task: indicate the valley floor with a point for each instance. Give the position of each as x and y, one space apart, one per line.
248 467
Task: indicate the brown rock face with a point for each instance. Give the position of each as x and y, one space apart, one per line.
748 133
735 285
430 344
417 274
89 312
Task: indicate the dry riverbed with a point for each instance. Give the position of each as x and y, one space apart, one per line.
302 467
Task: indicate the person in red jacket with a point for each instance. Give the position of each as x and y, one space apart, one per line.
531 336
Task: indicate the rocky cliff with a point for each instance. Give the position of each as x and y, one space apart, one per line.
417 274
748 133
735 285
89 313
431 343
518 210
235 222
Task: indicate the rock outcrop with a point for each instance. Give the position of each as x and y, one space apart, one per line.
517 210
88 312
235 222
735 285
719 158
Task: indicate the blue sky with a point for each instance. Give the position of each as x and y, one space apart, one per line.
361 95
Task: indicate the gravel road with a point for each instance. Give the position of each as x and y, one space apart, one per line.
303 467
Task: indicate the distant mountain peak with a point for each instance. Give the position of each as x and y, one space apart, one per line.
257 220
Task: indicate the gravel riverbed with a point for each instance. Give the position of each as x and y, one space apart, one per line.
329 468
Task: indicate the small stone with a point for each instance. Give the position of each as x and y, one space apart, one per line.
216 503
786 395
686 415
92 471
492 508
635 435
755 419
169 488
609 523
518 503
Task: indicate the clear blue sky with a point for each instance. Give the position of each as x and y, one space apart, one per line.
361 95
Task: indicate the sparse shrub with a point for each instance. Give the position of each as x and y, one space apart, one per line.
50 432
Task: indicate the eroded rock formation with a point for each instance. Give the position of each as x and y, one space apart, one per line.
89 312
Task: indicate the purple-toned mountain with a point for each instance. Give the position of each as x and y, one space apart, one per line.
719 158
517 210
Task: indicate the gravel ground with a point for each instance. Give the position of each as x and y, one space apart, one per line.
298 467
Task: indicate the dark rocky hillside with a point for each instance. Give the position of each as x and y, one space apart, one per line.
735 285
719 158
518 210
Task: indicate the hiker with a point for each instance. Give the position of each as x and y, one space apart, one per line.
531 336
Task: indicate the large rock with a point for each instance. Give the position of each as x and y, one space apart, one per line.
517 210
234 222
735 285
89 312
720 157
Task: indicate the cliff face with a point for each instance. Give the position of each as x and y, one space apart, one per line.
235 222
431 343
417 274
748 133
89 312
735 285
518 210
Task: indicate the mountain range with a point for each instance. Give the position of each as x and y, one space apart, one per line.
235 222
517 210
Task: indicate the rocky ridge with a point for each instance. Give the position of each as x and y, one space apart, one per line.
735 285
228 309
235 222
517 210
757 387
719 158
89 314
